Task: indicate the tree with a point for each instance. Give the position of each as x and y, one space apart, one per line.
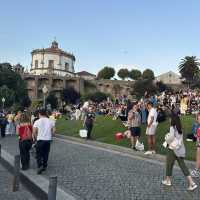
123 73
189 68
161 87
8 94
106 73
142 86
52 99
13 81
25 101
148 74
135 74
70 95
96 96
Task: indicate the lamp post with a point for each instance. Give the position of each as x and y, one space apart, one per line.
44 91
3 102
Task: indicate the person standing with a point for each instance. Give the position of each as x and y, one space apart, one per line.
3 124
24 130
151 128
89 121
43 130
176 151
134 123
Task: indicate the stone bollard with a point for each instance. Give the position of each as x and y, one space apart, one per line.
52 188
15 185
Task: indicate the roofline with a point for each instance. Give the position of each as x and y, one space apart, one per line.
48 50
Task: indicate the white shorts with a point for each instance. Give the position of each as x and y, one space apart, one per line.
151 130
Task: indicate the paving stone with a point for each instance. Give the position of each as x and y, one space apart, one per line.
6 188
96 174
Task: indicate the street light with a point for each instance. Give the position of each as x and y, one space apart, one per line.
3 102
44 91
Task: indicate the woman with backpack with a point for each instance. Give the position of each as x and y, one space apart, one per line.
24 130
176 151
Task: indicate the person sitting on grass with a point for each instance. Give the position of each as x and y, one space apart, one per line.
196 171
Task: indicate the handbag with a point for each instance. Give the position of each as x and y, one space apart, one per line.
139 146
83 133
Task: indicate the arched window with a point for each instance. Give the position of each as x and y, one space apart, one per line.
36 63
66 66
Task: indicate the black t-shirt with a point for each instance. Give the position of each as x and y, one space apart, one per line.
90 118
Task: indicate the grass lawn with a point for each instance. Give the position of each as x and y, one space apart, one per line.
105 128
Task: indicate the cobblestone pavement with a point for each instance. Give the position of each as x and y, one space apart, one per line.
95 174
6 189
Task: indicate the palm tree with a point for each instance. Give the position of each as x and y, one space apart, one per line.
189 68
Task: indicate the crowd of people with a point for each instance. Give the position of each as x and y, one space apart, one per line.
151 110
37 130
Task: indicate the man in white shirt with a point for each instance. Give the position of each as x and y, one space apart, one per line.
43 129
151 128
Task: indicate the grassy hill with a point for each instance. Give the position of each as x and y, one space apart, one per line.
105 128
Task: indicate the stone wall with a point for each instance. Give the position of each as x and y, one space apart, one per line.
55 84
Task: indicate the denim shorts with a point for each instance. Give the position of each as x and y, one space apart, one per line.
135 131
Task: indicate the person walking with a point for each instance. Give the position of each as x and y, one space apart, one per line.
24 130
176 151
151 128
43 129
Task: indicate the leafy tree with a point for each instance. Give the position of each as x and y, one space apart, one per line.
8 94
13 81
35 104
70 95
123 73
189 68
161 87
25 101
96 96
52 99
142 86
106 73
148 74
135 74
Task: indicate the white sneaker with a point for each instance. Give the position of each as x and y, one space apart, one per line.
192 187
167 183
148 153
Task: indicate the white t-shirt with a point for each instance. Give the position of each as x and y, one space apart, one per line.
44 126
86 105
152 113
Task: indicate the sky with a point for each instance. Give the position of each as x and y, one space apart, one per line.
138 34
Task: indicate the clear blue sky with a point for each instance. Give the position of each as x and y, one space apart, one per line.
142 33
